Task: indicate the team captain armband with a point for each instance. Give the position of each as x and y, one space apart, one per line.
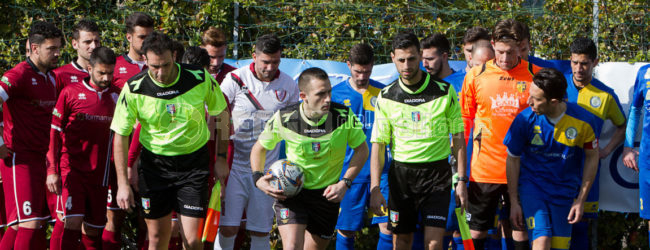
591 145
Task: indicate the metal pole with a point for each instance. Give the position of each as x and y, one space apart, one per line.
595 23
235 31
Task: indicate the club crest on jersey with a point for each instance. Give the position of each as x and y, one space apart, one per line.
171 109
122 70
315 146
595 101
347 102
521 87
415 116
81 96
571 133
74 79
146 205
373 101
280 95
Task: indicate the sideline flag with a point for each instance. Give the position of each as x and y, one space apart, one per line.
209 232
464 229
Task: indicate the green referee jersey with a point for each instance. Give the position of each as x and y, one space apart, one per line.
417 123
318 147
172 116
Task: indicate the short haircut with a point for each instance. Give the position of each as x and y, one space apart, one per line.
84 25
508 30
525 31
404 40
43 30
157 43
552 82
138 19
213 36
268 44
179 49
583 45
305 77
361 54
102 55
482 44
196 55
476 33
438 41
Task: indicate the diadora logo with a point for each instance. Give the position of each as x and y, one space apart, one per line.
504 100
122 70
74 79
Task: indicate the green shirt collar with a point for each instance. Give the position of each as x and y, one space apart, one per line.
309 121
424 85
178 76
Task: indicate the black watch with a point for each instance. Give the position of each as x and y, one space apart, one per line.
347 182
463 179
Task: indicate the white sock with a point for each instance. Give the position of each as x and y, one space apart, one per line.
262 242
225 243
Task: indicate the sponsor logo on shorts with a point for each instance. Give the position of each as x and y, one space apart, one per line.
436 217
195 208
146 205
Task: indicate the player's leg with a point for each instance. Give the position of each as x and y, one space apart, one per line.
57 230
537 217
259 221
293 236
385 236
189 226
482 205
403 214
159 231
351 215
235 201
192 197
560 227
111 236
581 235
95 219
452 223
73 196
435 189
519 235
644 195
176 241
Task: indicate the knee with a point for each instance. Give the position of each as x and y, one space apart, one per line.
228 231
347 234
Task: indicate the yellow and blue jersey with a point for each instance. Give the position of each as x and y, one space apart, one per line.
552 155
363 105
456 79
598 99
641 105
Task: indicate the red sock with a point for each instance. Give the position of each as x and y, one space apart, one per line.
57 233
27 239
145 245
111 240
175 243
70 239
8 239
91 242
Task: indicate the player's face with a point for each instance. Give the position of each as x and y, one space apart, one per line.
86 43
407 62
360 74
524 49
48 52
467 50
318 96
101 74
161 67
481 56
432 60
266 65
582 67
506 54
217 55
537 101
137 37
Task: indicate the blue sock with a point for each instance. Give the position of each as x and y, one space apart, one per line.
343 243
507 244
385 242
458 242
445 242
580 235
493 244
418 239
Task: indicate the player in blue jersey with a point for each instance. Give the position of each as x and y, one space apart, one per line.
640 105
600 100
526 47
359 93
550 144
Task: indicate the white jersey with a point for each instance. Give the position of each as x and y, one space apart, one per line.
254 102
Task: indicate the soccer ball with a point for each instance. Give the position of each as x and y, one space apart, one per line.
287 176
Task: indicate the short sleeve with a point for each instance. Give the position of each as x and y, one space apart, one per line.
615 110
454 117
125 113
9 84
270 137
215 100
515 139
382 129
356 136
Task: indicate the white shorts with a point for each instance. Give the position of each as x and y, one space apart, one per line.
241 194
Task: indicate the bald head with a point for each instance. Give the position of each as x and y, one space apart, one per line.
482 52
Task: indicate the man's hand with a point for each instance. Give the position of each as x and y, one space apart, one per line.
125 198
4 151
575 215
377 202
335 192
629 158
264 185
132 175
516 216
461 194
53 183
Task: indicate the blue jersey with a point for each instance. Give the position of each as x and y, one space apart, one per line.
641 102
363 106
563 66
552 155
456 79
598 99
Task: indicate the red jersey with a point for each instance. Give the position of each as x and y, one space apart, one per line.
71 73
80 136
225 69
125 68
29 97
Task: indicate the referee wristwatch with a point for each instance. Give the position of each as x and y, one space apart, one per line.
348 182
463 179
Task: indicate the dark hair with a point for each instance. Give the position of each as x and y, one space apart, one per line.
138 19
43 30
84 25
310 73
268 44
213 36
476 33
179 49
438 41
404 40
552 82
585 46
482 44
361 54
196 55
525 31
157 43
508 30
102 55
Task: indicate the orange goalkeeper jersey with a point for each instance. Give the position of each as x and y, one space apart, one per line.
490 100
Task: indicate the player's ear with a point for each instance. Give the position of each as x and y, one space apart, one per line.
303 96
596 62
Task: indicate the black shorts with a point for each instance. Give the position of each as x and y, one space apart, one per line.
310 208
174 183
483 200
418 192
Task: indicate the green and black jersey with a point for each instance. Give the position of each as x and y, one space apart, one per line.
417 123
319 147
172 116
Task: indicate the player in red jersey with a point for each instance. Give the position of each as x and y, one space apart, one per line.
138 27
83 158
29 96
85 38
213 40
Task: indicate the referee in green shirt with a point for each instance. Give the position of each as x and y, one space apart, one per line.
317 133
170 101
415 115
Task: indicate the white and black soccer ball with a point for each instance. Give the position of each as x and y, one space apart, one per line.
287 176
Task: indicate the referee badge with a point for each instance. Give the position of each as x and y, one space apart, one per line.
415 116
284 214
171 109
146 205
394 218
315 146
